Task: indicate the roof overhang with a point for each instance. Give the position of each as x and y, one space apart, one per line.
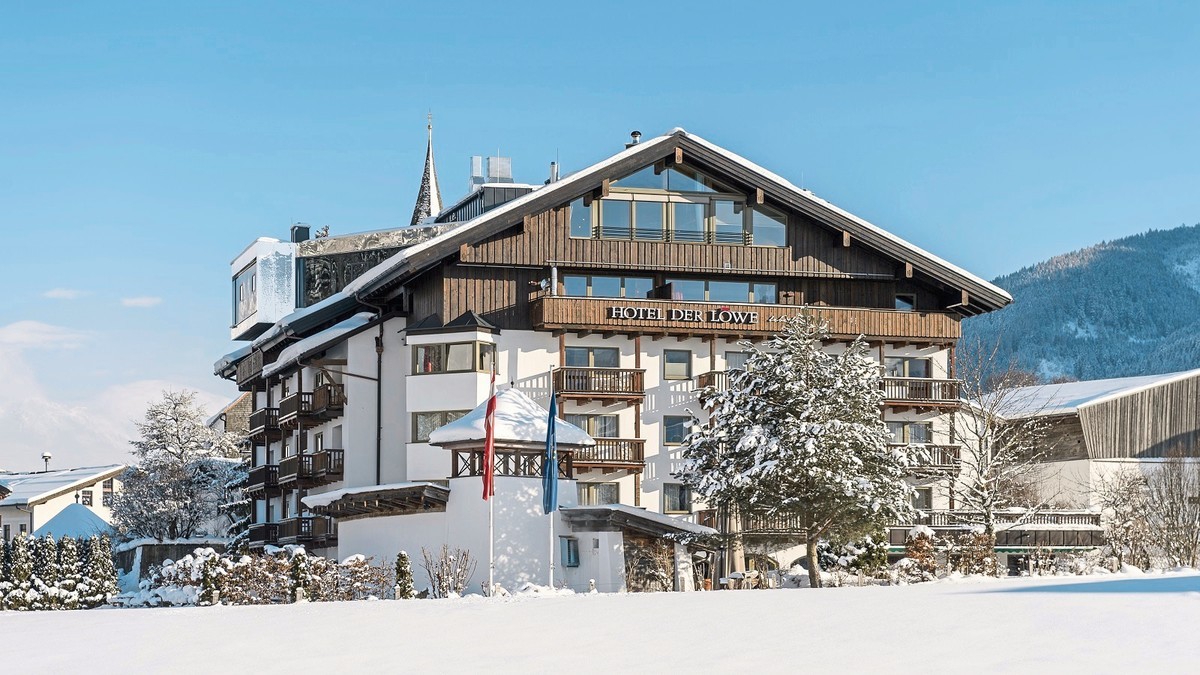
385 500
603 519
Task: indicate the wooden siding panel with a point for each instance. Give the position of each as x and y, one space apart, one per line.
1157 422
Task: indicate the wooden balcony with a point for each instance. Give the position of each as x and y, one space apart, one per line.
1009 517
608 385
311 469
249 369
315 531
717 379
1015 529
264 425
263 481
684 318
613 453
303 408
921 392
262 534
935 457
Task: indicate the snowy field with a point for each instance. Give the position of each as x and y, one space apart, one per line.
1061 625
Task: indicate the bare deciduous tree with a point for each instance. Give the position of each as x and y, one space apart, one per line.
1125 504
449 570
1173 495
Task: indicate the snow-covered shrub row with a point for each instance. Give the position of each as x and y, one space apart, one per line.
45 574
278 575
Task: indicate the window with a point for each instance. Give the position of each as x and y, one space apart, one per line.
318 442
580 217
598 494
570 551
106 500
736 360
922 499
616 219
728 222
579 285
688 222
767 227
285 507
458 357
649 220
677 364
22 528
676 498
7 532
245 300
423 423
675 428
108 484
287 447
895 366
597 426
593 357
911 432
906 302
85 497
722 291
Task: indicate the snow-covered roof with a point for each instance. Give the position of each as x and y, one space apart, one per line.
519 419
1067 398
33 488
327 498
232 358
635 512
316 342
76 521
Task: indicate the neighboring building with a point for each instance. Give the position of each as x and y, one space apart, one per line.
623 287
235 417
31 500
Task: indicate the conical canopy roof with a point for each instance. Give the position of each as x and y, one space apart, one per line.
519 421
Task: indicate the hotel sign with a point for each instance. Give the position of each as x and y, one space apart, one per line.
722 315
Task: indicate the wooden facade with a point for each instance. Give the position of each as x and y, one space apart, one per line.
1154 422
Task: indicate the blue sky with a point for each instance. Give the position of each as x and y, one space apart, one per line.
142 145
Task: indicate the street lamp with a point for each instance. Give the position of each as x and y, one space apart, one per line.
46 459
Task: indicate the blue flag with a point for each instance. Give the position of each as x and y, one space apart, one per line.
550 462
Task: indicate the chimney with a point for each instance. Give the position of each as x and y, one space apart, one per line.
636 137
300 233
553 172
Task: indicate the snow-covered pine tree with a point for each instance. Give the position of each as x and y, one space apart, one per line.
5 570
99 573
70 570
920 555
798 434
180 474
404 577
21 571
299 574
45 573
235 508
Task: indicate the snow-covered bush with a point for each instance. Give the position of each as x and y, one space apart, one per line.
448 570
70 573
974 552
920 556
45 574
99 582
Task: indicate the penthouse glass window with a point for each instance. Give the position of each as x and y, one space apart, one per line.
677 204
245 296
597 286
722 291
458 357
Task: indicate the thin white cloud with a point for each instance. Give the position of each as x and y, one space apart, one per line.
35 334
64 294
141 301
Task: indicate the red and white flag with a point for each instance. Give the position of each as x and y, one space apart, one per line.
489 444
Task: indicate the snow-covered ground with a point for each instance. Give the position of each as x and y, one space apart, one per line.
1062 625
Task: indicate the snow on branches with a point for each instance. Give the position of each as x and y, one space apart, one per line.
799 434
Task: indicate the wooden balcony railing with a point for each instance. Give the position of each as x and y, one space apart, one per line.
250 368
628 452
921 390
935 456
264 423
616 384
717 379
1008 517
322 404
315 530
261 534
294 406
263 479
312 469
329 400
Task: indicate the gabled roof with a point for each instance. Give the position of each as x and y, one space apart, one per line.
1065 399
31 489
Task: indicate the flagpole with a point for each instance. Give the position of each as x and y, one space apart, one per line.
555 470
491 490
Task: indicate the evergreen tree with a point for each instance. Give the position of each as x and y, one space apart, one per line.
21 566
298 572
404 578
70 573
5 570
45 573
920 555
100 574
798 435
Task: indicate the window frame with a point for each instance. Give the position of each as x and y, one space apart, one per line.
588 493
86 497
685 497
590 422
569 551
687 363
443 420
591 351
906 361
589 286
751 295
665 425
477 358
912 302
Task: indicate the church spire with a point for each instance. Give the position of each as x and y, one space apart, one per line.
429 198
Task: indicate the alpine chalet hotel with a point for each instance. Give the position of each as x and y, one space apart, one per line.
626 285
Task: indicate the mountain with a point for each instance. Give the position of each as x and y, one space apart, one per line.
1120 308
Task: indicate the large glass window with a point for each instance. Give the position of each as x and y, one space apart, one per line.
645 179
736 360
688 222
581 219
580 285
597 426
911 432
676 498
728 224
722 291
616 221
906 302
245 299
423 423
686 289
675 428
728 291
458 357
907 367
593 357
649 220
597 494
677 364
767 227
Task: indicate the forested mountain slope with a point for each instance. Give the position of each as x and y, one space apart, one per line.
1120 308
